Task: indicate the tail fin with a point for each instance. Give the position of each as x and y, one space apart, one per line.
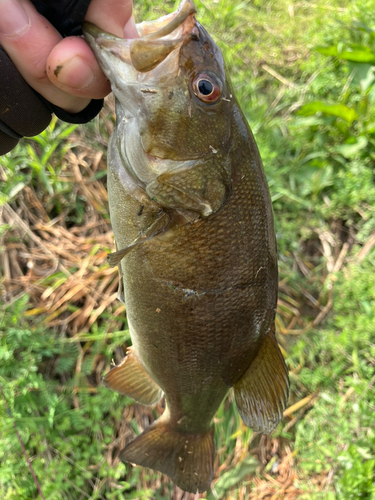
186 458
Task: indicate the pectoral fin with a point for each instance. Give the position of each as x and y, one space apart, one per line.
173 197
131 379
262 392
156 228
201 186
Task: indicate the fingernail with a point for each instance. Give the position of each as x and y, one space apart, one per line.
13 19
75 73
130 30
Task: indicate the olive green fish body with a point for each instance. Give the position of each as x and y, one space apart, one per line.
201 297
193 226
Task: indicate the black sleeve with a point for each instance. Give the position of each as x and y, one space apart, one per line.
65 15
24 112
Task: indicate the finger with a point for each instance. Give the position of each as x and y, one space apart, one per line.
113 16
72 67
28 38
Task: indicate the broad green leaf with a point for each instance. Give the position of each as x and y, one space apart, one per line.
364 55
339 110
308 121
327 51
361 56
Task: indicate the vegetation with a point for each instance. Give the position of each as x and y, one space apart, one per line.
305 75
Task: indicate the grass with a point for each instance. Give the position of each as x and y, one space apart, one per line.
310 103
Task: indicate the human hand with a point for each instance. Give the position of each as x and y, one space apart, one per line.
62 70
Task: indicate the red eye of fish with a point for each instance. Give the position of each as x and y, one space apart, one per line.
206 88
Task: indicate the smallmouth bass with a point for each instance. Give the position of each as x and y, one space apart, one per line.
196 251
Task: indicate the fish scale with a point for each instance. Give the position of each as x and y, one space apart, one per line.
192 219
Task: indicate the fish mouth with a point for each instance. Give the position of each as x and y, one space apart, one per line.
157 38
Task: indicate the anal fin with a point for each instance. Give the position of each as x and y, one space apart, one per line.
186 458
262 392
131 379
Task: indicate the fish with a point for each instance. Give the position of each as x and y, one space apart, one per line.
195 245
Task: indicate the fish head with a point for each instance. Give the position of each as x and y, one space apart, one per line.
173 104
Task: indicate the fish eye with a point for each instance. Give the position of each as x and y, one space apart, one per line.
206 88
